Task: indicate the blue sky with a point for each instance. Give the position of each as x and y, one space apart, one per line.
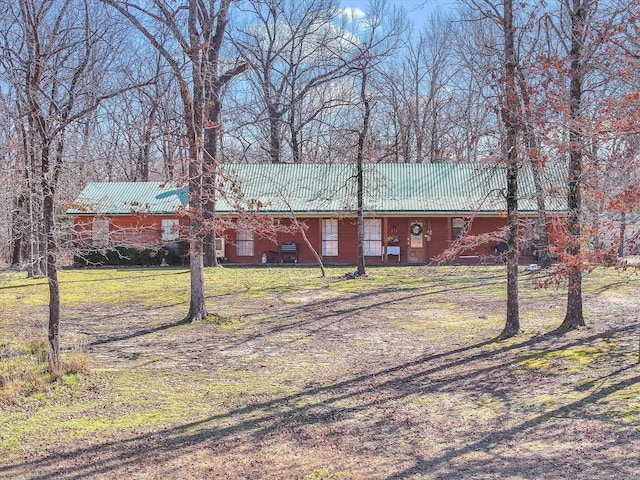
418 10
415 8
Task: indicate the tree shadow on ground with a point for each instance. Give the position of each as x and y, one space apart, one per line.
485 371
336 309
520 463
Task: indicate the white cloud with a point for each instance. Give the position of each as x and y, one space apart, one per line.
353 14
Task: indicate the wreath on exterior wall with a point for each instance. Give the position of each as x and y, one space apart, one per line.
416 229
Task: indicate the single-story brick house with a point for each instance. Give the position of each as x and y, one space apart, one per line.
413 212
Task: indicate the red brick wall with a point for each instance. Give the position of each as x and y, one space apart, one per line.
142 230
347 235
135 230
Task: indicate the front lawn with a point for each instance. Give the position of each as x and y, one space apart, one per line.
396 375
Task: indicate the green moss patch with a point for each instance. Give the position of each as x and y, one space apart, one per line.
567 358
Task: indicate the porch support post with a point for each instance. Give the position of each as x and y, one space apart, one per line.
320 233
385 229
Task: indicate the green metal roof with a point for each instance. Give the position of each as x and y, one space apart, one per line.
388 188
129 197
331 188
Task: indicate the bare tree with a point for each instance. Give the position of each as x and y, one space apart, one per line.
578 12
298 50
418 95
219 74
511 119
137 136
579 56
199 30
376 38
55 56
190 25
508 109
475 129
12 223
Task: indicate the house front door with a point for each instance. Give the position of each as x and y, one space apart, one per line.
416 251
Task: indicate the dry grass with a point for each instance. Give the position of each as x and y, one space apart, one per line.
397 375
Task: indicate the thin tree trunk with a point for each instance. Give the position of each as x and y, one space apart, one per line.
35 265
50 179
434 151
623 230
542 242
17 232
16 250
197 305
142 167
54 286
274 136
574 317
208 184
512 324
510 112
295 143
360 269
313 250
194 118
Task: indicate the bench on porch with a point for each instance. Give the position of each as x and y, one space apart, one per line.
289 252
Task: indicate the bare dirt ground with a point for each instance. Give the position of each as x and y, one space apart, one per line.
370 381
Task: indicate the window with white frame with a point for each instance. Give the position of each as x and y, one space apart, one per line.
244 243
457 227
170 229
100 231
330 237
372 237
